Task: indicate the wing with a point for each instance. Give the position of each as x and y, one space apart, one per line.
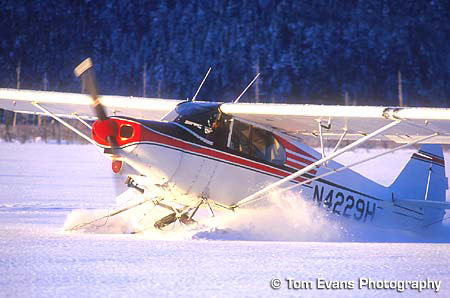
66 104
303 120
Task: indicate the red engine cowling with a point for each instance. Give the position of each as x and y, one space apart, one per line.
101 130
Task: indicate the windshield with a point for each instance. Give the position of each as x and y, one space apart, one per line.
197 116
200 113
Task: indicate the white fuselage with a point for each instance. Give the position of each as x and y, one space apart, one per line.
226 178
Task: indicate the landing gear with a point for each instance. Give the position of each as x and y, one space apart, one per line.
171 218
202 201
185 215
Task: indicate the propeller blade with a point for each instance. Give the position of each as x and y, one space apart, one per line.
85 72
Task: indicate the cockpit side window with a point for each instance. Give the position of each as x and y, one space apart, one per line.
259 143
277 152
266 146
240 138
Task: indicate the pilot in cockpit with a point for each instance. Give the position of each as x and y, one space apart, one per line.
217 132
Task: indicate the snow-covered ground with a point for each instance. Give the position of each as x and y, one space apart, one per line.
46 187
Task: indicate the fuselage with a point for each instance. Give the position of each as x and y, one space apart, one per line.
235 159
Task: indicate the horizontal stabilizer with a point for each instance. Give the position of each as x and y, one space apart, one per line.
422 203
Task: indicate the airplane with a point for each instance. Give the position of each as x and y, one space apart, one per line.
229 156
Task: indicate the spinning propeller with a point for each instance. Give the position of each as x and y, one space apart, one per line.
104 128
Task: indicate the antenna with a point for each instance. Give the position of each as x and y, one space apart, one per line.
239 97
201 84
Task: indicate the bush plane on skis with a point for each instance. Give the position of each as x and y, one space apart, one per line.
230 155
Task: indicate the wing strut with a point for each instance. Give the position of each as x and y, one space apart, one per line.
321 140
82 121
340 140
321 161
47 112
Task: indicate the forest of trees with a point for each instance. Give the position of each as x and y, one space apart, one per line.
310 51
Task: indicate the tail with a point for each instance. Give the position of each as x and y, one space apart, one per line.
422 184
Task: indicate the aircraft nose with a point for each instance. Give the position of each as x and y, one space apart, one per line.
102 130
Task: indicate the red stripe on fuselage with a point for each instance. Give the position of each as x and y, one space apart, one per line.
298 158
299 167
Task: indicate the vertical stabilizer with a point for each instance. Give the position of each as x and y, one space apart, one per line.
423 178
